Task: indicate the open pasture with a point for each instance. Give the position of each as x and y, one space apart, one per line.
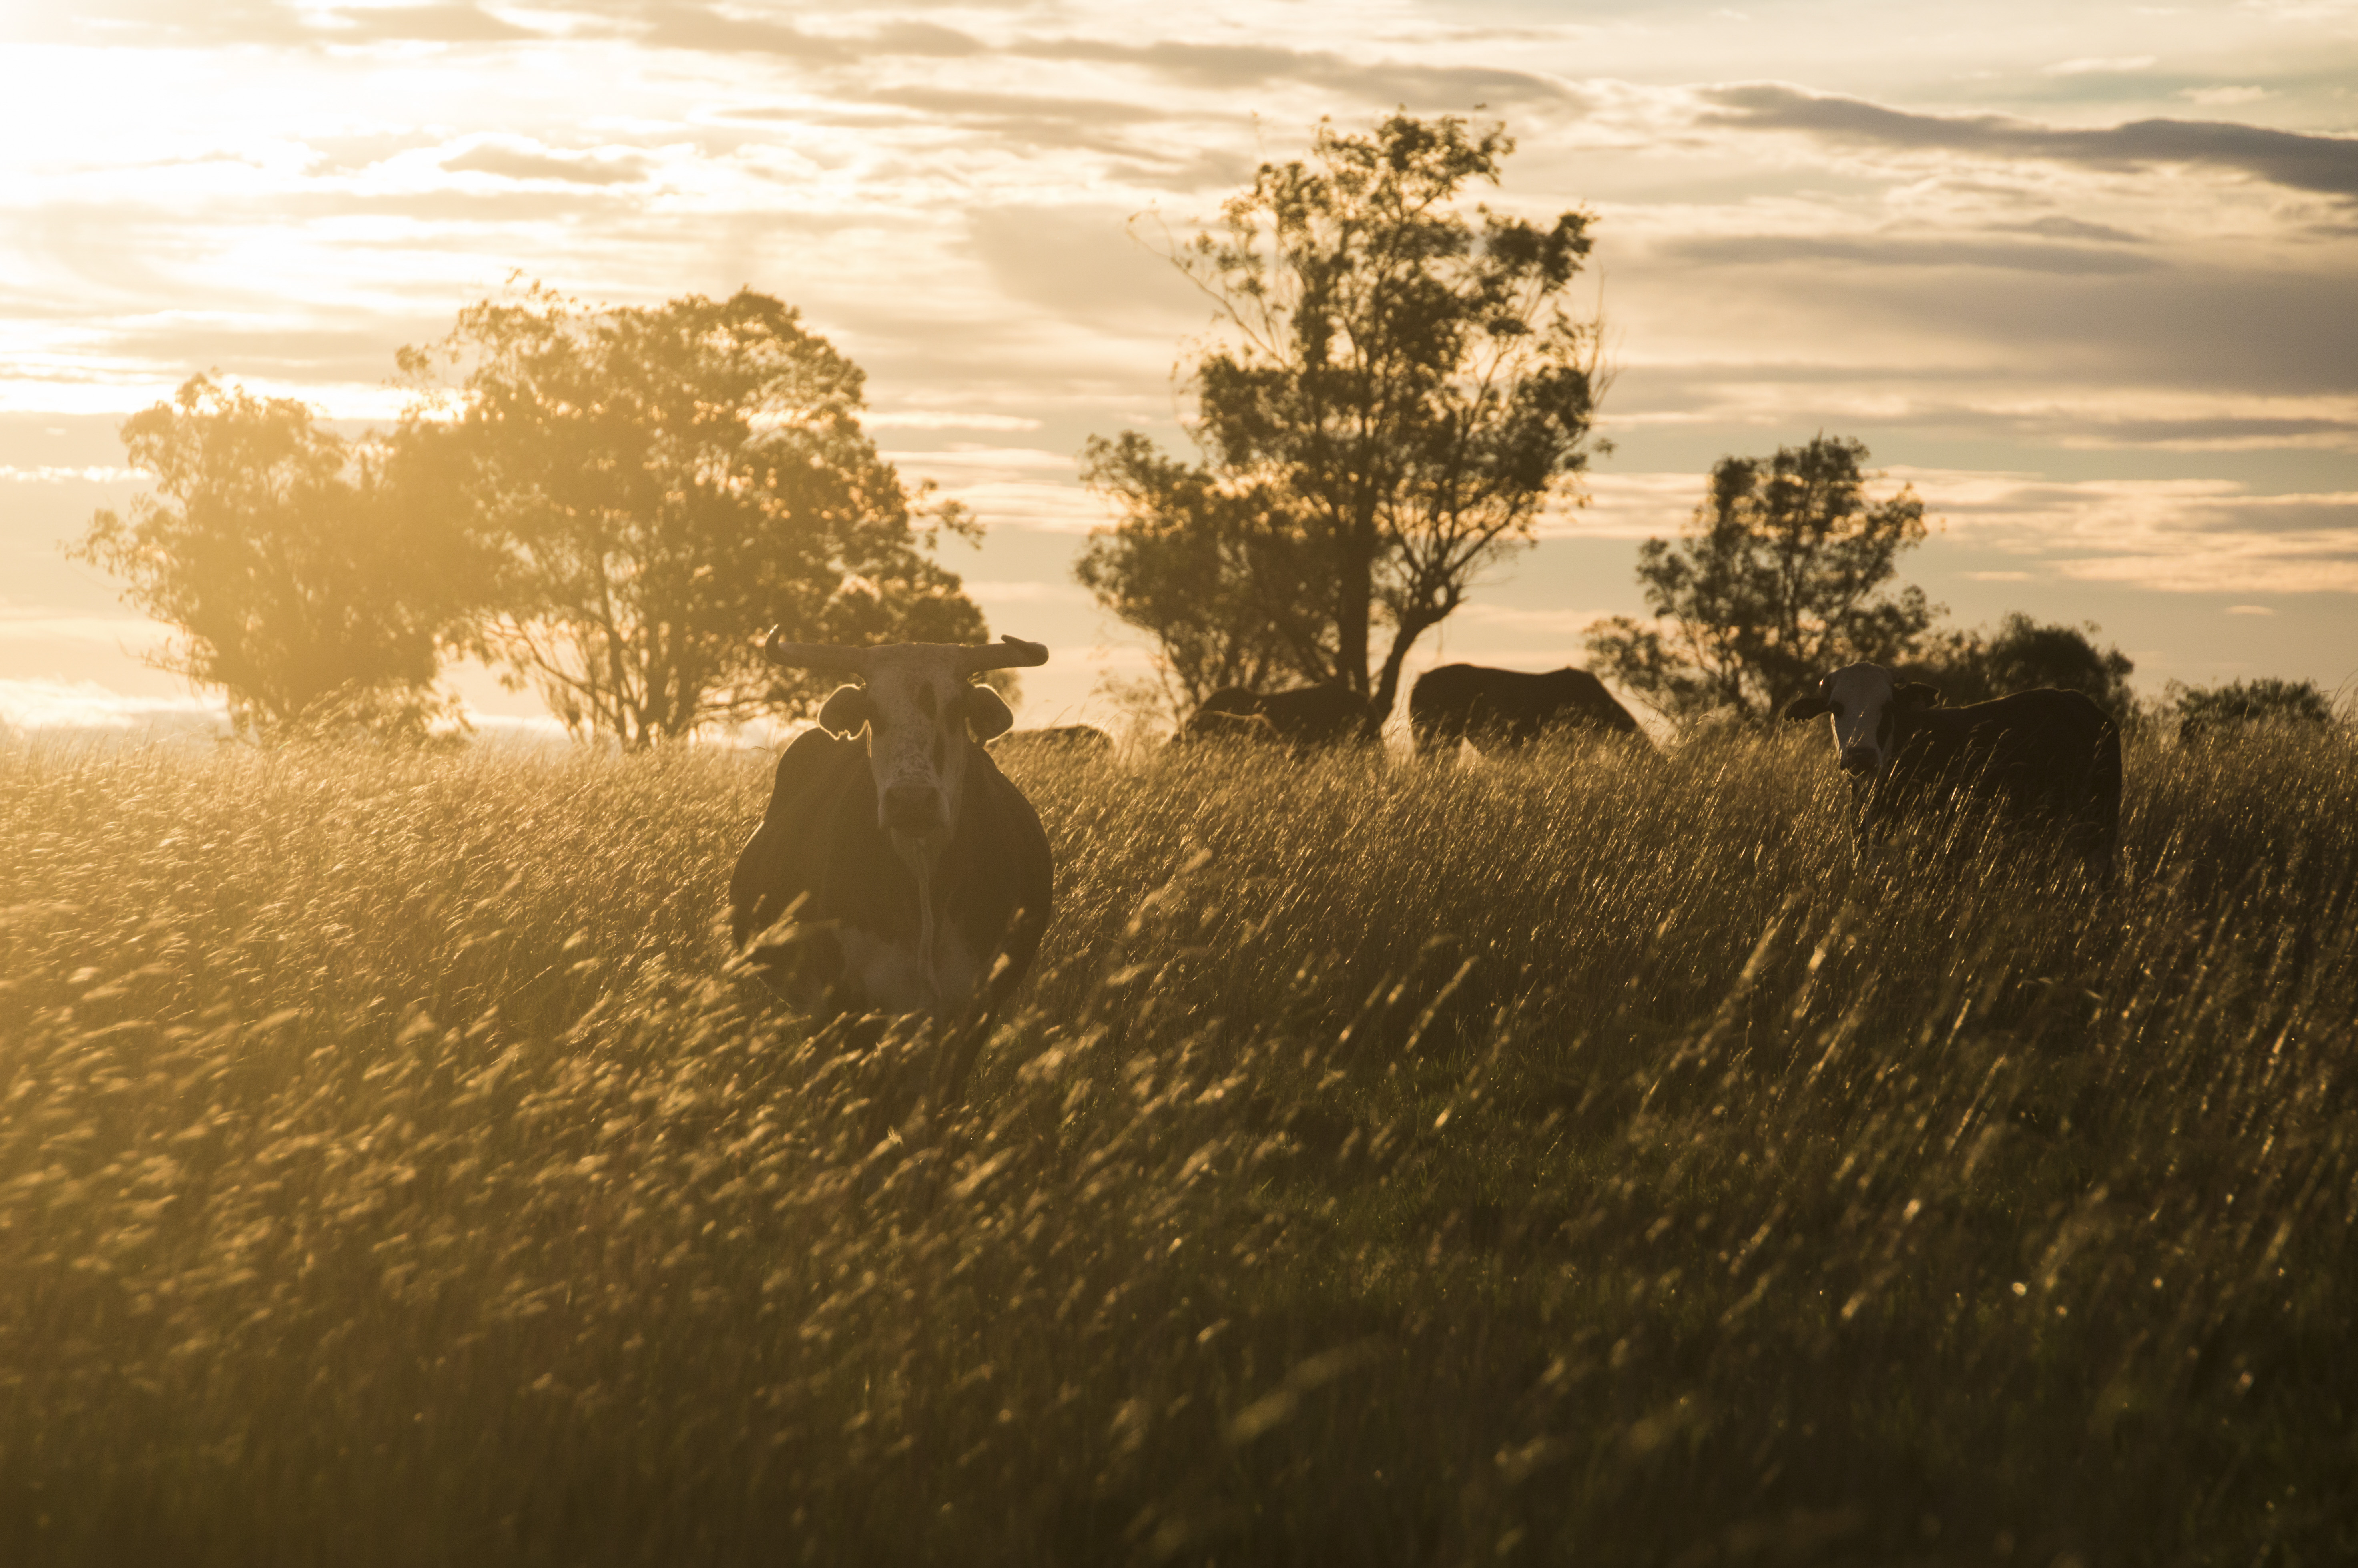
1576 1158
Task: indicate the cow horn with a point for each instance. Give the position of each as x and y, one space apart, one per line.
829 656
1009 652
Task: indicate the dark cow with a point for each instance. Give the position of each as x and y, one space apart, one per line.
1064 742
900 874
1304 717
1496 709
2045 762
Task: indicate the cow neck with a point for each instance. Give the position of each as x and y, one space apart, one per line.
923 858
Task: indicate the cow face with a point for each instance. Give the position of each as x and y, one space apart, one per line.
1865 702
919 712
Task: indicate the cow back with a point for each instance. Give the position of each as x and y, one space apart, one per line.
2046 757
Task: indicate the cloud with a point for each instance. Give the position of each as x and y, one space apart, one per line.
10 474
2327 165
445 24
706 30
1229 67
2224 97
1081 264
2202 535
2249 610
935 419
2115 65
991 592
1886 252
508 160
85 706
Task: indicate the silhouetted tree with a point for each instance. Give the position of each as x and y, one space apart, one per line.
310 577
1786 571
1199 568
659 485
1397 390
2021 653
2207 712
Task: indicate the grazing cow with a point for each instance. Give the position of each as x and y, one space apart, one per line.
1062 743
1304 717
1499 709
2046 762
904 874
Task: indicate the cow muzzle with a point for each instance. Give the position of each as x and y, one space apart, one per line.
914 809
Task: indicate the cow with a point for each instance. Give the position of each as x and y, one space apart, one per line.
2045 762
1303 719
1499 709
1061 742
901 873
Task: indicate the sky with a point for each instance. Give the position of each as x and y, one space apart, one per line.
2085 276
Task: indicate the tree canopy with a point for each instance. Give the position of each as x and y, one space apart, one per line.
1200 569
1396 390
1786 570
658 485
2207 712
2020 654
309 577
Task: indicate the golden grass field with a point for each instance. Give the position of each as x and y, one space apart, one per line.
1575 1159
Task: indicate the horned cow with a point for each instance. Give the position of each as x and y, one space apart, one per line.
901 873
1496 708
2047 762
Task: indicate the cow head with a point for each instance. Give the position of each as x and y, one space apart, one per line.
1866 701
919 709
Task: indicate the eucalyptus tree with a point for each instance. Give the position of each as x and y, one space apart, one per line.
1788 568
1396 388
658 485
312 578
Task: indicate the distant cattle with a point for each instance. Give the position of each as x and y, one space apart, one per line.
1496 709
1304 717
904 874
1066 742
2047 763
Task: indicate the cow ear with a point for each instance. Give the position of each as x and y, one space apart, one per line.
1916 693
1803 708
985 713
846 713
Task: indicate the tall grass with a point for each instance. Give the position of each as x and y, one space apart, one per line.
1574 1159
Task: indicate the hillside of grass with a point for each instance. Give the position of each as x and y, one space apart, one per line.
1574 1159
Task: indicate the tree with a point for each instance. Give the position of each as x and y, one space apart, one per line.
311 579
1199 568
2021 653
661 484
2205 711
1398 391
1785 572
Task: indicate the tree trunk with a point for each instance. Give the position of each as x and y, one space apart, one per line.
1354 603
1387 692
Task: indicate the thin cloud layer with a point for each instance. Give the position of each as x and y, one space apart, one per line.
2327 165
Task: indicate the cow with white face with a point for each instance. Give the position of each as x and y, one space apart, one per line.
2046 763
897 870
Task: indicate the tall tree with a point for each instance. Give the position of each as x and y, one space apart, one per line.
1397 389
309 577
1786 570
659 484
1200 569
2020 654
